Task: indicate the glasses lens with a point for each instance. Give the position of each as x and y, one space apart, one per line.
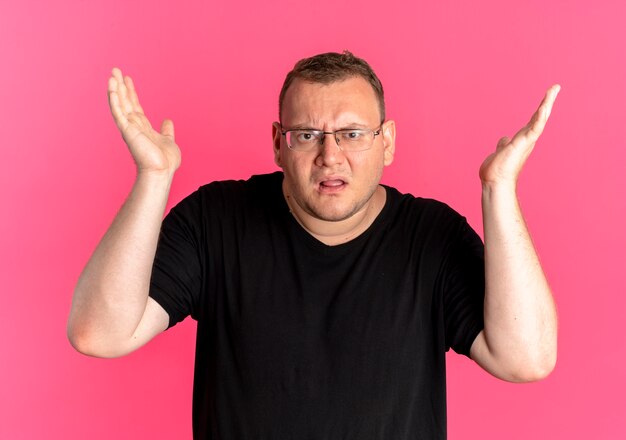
355 140
303 139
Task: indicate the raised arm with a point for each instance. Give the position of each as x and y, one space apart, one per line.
111 313
519 340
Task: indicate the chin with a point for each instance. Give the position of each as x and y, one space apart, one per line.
334 213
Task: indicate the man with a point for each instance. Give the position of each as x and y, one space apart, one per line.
325 302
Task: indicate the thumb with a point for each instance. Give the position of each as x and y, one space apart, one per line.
503 142
167 128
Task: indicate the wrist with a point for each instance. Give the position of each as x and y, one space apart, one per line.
501 196
155 176
504 187
154 182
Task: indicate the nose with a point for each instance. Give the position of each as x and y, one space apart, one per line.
330 152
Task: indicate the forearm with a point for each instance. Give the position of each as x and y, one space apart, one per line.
112 292
520 317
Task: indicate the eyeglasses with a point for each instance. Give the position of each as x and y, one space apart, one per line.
348 139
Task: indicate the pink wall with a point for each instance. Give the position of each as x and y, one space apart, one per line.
458 75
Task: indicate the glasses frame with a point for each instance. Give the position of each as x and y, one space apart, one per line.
323 134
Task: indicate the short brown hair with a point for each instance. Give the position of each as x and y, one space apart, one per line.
329 67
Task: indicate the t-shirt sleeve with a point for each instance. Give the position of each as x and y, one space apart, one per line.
177 278
462 279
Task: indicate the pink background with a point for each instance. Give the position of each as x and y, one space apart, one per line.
458 75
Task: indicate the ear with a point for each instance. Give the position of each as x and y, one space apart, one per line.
277 138
389 141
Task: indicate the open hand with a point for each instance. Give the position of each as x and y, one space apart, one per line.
505 164
151 150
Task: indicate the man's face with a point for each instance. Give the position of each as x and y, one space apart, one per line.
327 183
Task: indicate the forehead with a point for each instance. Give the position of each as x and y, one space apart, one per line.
349 101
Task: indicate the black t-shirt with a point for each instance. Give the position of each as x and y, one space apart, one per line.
300 340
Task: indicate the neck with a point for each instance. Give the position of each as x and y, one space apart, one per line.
333 233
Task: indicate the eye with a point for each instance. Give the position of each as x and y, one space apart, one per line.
351 135
305 136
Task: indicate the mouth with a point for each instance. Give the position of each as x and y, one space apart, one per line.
332 185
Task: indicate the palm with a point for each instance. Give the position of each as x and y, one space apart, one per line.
505 164
151 150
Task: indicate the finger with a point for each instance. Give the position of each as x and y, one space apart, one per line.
167 128
122 91
132 95
529 134
116 73
548 100
114 103
540 118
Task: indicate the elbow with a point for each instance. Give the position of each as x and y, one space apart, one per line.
81 342
518 363
89 345
533 370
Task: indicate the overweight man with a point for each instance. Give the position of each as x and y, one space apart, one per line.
325 302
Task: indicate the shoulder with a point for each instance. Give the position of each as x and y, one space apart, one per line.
227 194
218 207
256 183
420 221
406 207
